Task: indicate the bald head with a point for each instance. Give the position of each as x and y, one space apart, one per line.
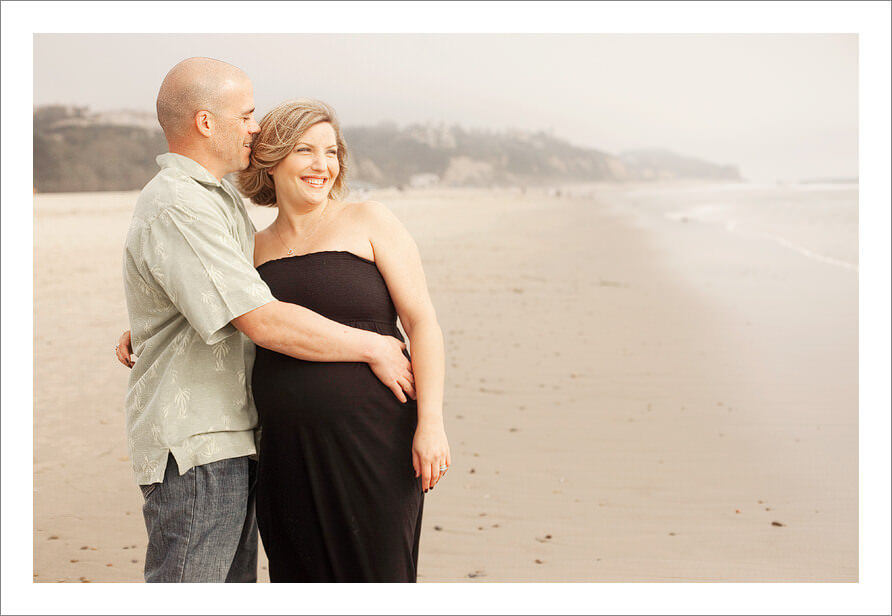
193 85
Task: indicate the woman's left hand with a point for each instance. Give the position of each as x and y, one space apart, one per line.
124 350
430 453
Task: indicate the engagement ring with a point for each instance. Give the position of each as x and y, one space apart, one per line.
443 469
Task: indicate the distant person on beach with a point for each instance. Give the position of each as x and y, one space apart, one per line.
343 465
195 304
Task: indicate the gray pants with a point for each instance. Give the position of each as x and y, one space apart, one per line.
201 525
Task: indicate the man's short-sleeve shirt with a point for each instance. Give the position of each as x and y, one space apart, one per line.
188 271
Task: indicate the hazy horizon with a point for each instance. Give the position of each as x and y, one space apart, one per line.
776 106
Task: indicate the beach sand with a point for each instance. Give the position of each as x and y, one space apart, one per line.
625 402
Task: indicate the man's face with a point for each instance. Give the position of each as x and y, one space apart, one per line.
235 127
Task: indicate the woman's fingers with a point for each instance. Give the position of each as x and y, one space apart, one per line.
123 355
431 473
428 478
416 464
123 350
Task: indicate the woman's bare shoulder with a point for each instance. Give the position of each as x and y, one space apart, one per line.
368 206
368 211
264 245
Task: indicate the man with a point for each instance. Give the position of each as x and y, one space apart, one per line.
195 305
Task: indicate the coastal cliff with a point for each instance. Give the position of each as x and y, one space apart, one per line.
78 150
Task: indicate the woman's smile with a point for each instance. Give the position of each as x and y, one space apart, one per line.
315 181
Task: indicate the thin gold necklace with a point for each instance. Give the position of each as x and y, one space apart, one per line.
306 237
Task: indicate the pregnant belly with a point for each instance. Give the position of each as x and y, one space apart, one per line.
289 391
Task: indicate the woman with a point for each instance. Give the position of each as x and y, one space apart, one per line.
343 464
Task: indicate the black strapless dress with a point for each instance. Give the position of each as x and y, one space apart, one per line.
337 497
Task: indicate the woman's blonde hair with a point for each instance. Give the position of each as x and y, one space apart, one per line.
280 130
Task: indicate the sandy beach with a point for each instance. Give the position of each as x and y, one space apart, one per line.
625 402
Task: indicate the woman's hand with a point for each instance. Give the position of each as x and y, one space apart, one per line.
430 453
124 351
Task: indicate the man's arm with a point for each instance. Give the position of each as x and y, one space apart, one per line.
203 272
296 331
301 333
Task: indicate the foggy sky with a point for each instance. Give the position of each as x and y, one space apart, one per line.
779 106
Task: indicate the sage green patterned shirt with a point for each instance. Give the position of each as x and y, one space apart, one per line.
188 271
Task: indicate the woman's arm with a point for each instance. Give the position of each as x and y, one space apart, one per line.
399 262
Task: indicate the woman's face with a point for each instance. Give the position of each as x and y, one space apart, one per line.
308 173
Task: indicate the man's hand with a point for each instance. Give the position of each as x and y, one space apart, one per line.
124 351
393 368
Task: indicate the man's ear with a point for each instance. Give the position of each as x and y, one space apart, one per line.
204 122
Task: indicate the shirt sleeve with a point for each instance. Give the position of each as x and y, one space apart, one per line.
204 271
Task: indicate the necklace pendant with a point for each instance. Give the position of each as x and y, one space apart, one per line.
290 251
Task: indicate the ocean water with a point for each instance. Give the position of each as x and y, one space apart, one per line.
818 221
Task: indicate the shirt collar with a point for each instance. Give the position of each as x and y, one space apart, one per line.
188 166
